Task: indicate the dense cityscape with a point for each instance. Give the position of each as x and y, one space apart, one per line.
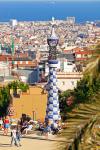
50 84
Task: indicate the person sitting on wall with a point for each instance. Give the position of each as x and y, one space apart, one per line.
55 127
28 128
24 126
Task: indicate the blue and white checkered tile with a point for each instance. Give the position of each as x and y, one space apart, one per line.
54 80
58 104
55 95
53 112
55 117
50 107
54 83
50 99
50 113
55 109
50 102
51 72
54 87
55 98
51 92
51 87
54 75
55 90
55 102
51 69
55 105
51 78
54 71
50 84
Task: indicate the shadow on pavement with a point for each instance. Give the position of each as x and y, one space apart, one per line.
39 138
4 145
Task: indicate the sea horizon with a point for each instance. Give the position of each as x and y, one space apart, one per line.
43 11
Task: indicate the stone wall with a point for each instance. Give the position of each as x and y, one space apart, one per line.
32 103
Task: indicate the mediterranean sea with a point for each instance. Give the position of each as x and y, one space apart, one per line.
43 11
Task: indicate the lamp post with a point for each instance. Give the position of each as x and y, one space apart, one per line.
52 112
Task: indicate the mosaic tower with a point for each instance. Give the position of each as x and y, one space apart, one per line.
52 112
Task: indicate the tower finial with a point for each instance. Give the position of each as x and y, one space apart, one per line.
53 34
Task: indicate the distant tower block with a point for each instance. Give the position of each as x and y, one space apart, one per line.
13 23
53 20
71 20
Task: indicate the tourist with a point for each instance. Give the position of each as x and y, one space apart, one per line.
54 127
1 124
29 128
18 134
24 126
14 139
6 125
47 130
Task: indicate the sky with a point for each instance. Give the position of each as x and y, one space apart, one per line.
50 0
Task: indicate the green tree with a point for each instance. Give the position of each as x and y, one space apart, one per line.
23 86
4 100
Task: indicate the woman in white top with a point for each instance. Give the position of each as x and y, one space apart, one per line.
29 128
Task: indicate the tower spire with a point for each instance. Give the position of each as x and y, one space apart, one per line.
53 34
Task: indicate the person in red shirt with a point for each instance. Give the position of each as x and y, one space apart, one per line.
6 125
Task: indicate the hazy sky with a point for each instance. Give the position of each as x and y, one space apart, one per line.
50 0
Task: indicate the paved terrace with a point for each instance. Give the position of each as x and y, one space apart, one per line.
30 142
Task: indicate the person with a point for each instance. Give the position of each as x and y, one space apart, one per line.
24 126
6 125
29 128
54 127
1 124
18 134
41 128
47 130
14 139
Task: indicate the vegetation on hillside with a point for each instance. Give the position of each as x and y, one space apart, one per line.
86 88
84 109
